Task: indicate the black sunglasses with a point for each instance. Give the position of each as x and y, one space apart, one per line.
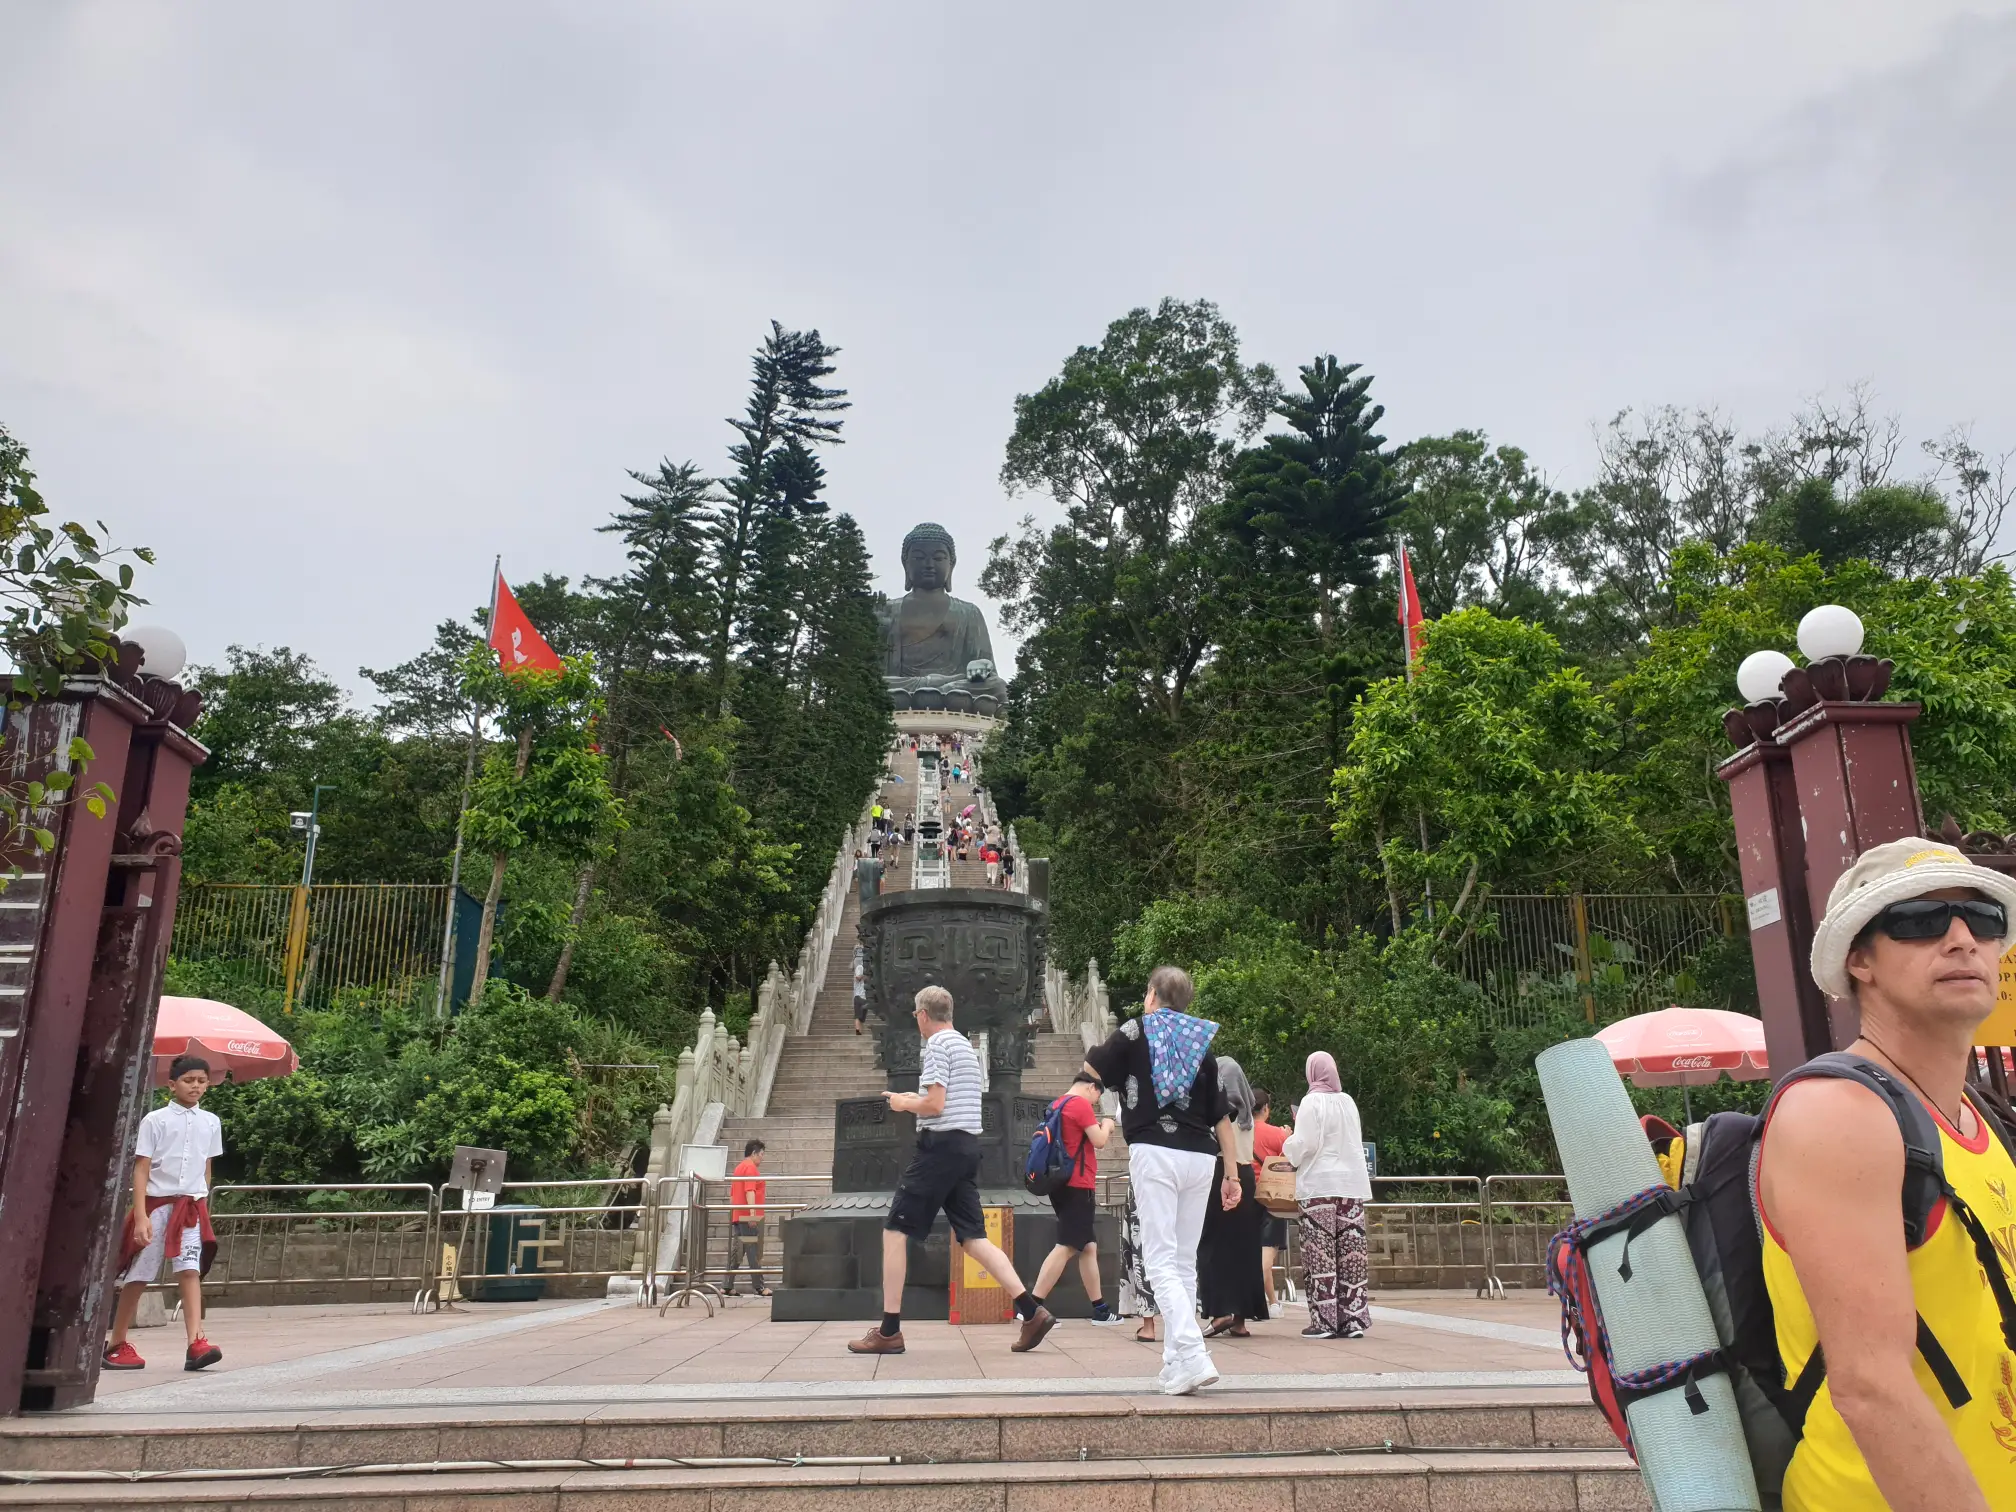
1930 918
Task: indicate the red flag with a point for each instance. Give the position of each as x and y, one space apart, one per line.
517 644
1411 618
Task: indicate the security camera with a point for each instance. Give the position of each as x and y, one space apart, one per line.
299 822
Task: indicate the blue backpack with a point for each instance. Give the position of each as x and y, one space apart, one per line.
1048 1170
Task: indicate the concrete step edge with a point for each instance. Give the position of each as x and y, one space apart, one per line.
1606 1474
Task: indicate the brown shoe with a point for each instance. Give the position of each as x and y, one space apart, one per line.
876 1342
1037 1324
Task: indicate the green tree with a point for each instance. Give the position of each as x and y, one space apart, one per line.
552 789
1324 491
790 411
1479 525
1496 763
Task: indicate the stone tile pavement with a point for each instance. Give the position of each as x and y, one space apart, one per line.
305 1357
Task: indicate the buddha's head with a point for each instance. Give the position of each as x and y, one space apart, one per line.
928 559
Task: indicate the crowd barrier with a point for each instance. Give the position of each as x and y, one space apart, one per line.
365 1241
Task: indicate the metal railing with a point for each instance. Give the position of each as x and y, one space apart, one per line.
1517 1228
272 1246
1409 1238
697 1243
329 1242
1626 952
552 1231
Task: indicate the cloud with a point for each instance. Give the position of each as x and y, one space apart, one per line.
332 305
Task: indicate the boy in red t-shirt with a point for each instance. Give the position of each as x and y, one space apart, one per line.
1084 1134
745 1215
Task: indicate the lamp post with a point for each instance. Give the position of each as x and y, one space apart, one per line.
297 918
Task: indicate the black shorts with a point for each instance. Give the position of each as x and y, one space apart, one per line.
1075 1211
1274 1232
944 1173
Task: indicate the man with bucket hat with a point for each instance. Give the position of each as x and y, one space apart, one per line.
1894 1317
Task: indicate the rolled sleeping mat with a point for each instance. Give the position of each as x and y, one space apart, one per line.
1691 1463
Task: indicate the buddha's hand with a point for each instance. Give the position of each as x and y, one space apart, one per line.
980 670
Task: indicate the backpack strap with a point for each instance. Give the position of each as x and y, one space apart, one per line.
1924 1164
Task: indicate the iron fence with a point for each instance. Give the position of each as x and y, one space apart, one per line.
1608 953
551 1236
311 943
1518 1226
279 1241
351 1242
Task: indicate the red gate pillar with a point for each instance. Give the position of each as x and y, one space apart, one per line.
73 1303
77 1009
1771 853
1857 787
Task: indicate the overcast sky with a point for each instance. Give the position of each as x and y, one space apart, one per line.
330 304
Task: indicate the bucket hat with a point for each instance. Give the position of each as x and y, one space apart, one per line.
1891 873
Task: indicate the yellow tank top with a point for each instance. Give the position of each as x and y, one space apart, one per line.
1828 1473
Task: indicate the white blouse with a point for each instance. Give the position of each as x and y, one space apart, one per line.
1327 1148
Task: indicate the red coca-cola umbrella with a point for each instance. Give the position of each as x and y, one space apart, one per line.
236 1044
1687 1047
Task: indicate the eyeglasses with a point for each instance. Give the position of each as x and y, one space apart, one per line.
1930 918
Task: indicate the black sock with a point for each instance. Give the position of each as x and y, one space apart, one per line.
892 1325
1026 1305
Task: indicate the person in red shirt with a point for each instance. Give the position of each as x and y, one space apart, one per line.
1267 1141
745 1213
1084 1135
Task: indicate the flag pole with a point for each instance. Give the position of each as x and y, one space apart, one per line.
441 987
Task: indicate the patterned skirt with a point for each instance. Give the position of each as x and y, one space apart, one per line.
1337 1270
1137 1297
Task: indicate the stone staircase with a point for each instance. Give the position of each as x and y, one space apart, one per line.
831 1062
1315 1451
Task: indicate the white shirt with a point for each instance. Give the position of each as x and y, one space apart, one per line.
1327 1148
179 1141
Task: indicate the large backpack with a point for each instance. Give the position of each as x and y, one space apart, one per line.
1049 1170
1717 1205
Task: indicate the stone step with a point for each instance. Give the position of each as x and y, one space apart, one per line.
996 1432
1403 1479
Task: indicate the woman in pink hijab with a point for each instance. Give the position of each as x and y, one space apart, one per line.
1332 1185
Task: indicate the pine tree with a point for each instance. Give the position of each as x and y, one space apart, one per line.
1324 491
788 403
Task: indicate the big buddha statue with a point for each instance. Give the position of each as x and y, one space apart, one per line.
936 653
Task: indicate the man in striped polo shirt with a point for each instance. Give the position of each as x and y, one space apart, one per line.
944 1173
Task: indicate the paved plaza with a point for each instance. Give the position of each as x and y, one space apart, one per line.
338 1357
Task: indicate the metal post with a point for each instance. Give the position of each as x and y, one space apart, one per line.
1585 971
297 921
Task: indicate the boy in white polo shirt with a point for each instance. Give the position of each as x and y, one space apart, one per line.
171 1213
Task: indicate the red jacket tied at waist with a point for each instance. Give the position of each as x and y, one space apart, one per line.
187 1212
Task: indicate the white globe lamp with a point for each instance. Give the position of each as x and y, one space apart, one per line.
1830 630
1757 679
162 653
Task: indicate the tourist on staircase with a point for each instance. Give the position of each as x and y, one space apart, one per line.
1085 1134
1332 1185
1174 1117
1230 1288
745 1218
944 1174
860 990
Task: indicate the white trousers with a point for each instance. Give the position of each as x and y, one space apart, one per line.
1171 1188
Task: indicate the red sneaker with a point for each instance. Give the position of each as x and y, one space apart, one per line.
202 1354
123 1356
